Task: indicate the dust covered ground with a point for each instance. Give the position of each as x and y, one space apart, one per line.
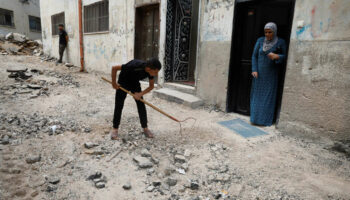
55 145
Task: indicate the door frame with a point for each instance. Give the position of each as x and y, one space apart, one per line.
233 59
144 5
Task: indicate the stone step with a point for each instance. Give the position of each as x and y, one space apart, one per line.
178 97
180 87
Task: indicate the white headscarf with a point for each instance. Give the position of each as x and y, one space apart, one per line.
268 44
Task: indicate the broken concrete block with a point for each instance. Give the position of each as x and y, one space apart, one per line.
19 37
33 159
9 36
145 153
171 181
143 162
180 158
90 145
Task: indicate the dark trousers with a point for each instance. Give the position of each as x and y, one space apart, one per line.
62 47
119 104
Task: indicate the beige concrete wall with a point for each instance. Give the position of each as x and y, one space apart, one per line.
20 13
316 98
104 49
216 18
50 42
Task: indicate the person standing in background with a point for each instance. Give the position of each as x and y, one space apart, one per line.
63 41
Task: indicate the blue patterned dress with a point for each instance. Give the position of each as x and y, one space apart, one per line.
264 88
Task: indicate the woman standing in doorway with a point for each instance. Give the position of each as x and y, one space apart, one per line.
269 51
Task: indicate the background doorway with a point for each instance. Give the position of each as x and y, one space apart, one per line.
146 32
249 21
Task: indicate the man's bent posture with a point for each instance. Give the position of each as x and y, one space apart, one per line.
129 78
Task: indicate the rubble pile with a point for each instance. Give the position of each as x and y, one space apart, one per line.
16 126
18 44
29 84
64 79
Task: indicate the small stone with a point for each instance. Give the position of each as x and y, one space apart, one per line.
154 160
69 64
127 186
95 175
184 166
150 188
33 159
150 171
34 194
53 179
143 162
156 183
87 129
90 145
145 153
168 171
194 185
180 158
171 181
5 140
14 171
51 188
100 185
33 86
187 153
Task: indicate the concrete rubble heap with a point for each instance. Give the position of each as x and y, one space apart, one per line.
18 44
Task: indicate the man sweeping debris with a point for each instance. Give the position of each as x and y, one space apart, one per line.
129 78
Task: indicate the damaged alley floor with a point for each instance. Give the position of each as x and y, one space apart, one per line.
55 145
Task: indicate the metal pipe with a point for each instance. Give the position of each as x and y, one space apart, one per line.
81 44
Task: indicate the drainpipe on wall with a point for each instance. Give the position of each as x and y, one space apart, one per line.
81 37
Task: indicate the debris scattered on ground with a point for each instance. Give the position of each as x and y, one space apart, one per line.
24 126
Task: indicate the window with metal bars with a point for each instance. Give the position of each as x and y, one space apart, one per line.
6 17
55 21
96 17
34 23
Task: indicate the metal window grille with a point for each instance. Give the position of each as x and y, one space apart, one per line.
55 21
6 17
34 23
96 17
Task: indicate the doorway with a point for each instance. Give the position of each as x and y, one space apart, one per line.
249 20
181 41
146 32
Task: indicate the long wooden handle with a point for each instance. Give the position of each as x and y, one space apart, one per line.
145 102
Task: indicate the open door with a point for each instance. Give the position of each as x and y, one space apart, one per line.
250 19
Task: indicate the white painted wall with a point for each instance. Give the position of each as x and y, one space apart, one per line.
104 49
20 13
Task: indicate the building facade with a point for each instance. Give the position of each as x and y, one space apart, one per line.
206 46
20 16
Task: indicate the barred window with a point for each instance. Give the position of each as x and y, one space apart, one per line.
34 23
6 17
96 17
55 21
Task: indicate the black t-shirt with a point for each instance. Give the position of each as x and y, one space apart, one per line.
132 72
62 35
